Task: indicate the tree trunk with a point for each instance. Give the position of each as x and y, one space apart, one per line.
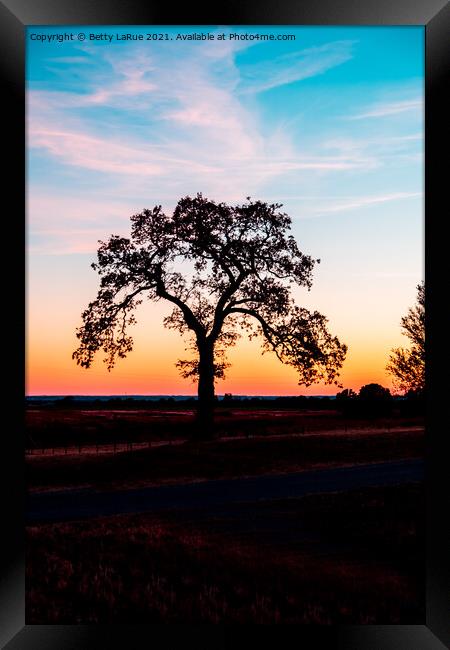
205 409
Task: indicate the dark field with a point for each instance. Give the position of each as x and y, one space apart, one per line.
252 443
62 430
354 556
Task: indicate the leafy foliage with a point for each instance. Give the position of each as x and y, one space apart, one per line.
346 394
374 392
407 366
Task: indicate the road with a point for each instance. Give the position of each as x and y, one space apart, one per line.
73 504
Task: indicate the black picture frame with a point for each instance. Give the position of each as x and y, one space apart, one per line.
15 16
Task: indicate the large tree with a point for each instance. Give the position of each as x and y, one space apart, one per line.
407 366
225 269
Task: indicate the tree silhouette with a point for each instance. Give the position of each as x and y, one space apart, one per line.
373 400
226 269
374 392
346 394
407 366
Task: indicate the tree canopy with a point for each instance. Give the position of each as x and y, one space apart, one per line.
374 392
226 270
407 366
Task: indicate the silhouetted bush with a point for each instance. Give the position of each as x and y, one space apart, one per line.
374 401
346 401
66 401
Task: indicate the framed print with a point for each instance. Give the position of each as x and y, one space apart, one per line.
204 187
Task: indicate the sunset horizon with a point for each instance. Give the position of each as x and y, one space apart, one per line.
330 125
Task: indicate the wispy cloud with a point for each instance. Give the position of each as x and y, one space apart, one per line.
195 128
383 150
70 224
354 203
65 224
129 80
98 154
389 108
294 67
152 127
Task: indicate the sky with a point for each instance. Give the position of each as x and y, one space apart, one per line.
329 124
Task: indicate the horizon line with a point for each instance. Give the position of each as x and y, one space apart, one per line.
168 395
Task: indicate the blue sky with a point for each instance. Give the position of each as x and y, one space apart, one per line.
330 125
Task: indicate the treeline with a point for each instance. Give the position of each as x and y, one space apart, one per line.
371 400
228 400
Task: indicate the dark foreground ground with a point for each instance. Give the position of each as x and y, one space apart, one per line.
351 557
353 554
209 496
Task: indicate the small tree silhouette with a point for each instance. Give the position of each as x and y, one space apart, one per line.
407 366
241 266
346 394
374 393
374 400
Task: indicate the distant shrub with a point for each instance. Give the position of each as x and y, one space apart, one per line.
374 400
345 394
374 393
346 401
66 401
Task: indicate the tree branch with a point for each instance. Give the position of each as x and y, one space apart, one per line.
267 330
191 321
126 301
219 313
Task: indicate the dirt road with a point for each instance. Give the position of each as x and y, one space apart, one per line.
79 504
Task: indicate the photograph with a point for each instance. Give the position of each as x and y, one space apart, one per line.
225 324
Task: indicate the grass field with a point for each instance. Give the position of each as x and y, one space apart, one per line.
221 459
252 443
354 557
350 557
48 428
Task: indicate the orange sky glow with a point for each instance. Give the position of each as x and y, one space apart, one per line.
330 125
150 368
